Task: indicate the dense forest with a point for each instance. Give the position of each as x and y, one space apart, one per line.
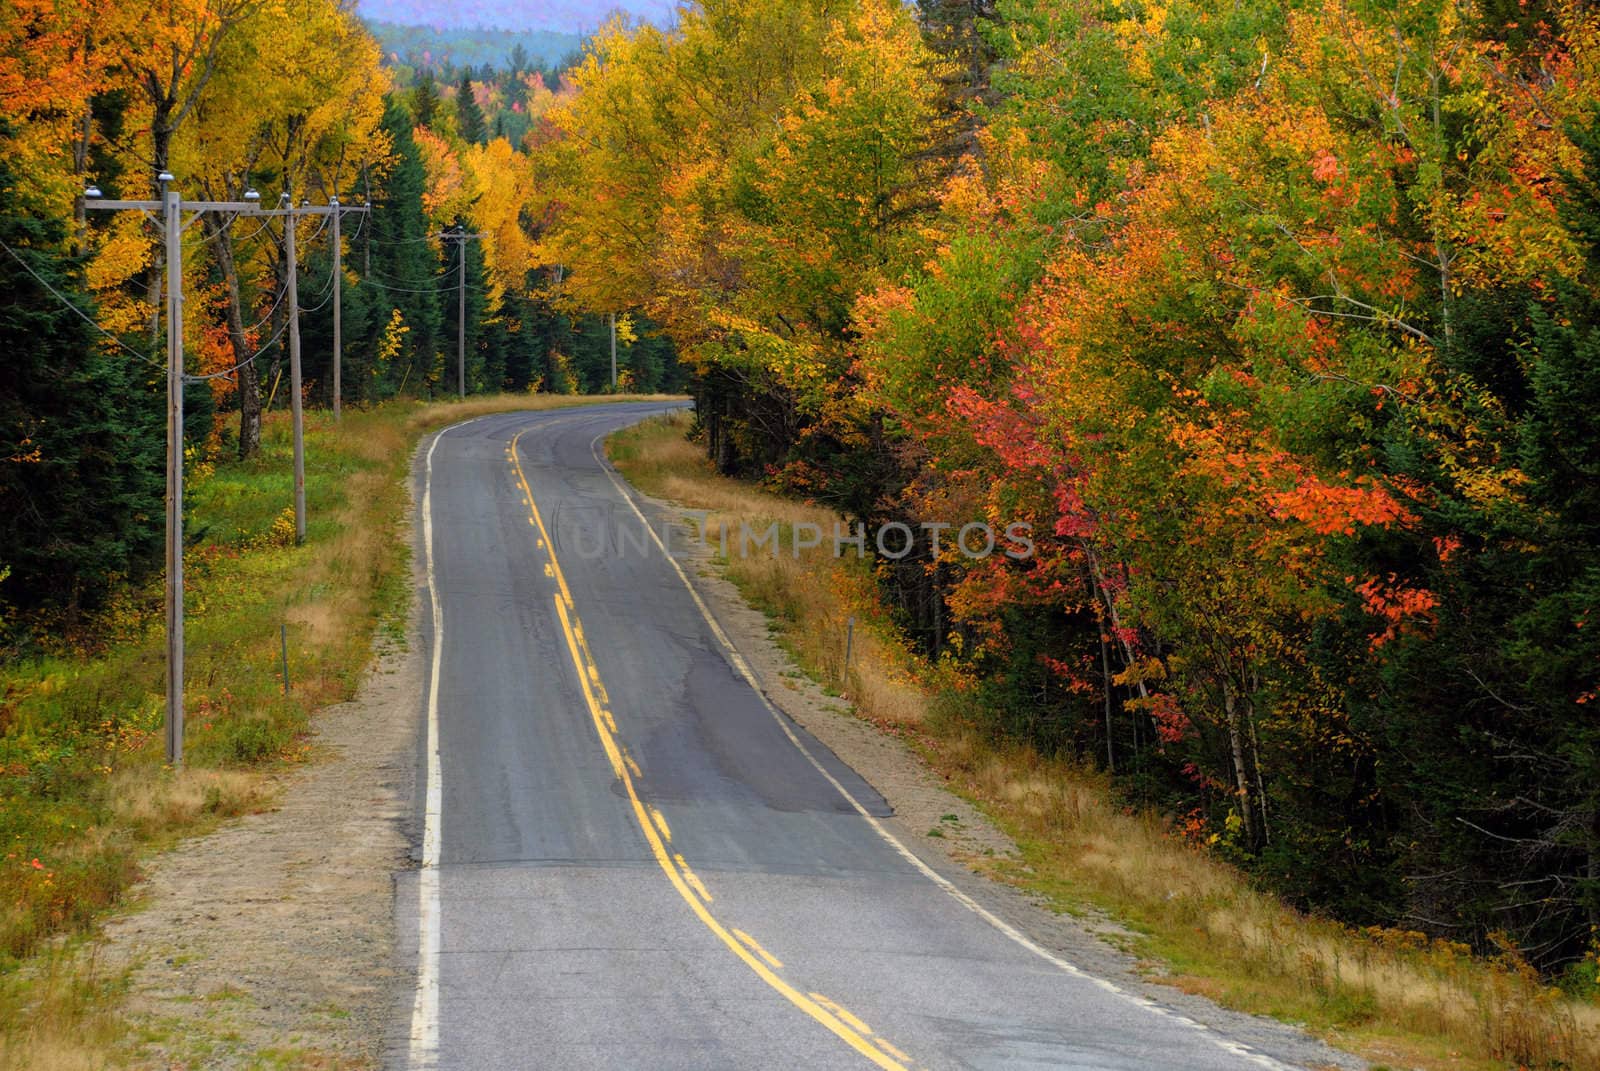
424 46
1278 320
293 101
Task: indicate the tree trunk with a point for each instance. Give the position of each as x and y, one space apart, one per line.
80 171
1255 760
161 151
1105 676
1241 776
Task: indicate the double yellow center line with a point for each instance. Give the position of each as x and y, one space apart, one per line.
658 834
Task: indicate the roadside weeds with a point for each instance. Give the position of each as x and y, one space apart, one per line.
1394 997
87 800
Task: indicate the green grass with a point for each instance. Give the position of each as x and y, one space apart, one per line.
78 725
85 793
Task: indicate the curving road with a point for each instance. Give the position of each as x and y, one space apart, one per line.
630 860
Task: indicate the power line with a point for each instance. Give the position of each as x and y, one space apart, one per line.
327 288
247 361
85 317
368 280
405 241
322 225
443 273
252 358
276 301
327 296
447 278
259 228
449 270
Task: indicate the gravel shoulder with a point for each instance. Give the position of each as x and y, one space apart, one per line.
270 942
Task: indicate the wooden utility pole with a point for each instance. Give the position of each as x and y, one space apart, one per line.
297 416
171 208
338 212
613 353
459 236
461 319
290 213
338 307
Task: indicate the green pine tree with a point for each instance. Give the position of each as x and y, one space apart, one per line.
523 363
316 322
1489 754
82 439
1557 640
469 117
399 270
425 100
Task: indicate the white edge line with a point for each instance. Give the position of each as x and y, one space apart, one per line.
424 1045
1010 931
424 1038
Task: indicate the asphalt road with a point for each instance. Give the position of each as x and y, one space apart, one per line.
630 860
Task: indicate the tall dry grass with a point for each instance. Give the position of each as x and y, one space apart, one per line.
1395 997
109 801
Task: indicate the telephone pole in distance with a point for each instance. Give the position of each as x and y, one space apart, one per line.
458 235
286 208
338 212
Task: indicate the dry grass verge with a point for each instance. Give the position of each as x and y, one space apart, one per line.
84 791
1396 998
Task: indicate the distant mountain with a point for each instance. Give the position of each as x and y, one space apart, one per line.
437 46
571 16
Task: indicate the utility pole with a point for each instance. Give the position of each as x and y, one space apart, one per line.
461 319
338 307
291 214
172 206
174 241
297 417
338 211
613 353
460 237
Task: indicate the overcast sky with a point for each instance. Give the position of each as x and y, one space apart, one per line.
573 16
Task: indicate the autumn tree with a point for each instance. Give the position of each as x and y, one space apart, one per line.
1272 320
319 97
